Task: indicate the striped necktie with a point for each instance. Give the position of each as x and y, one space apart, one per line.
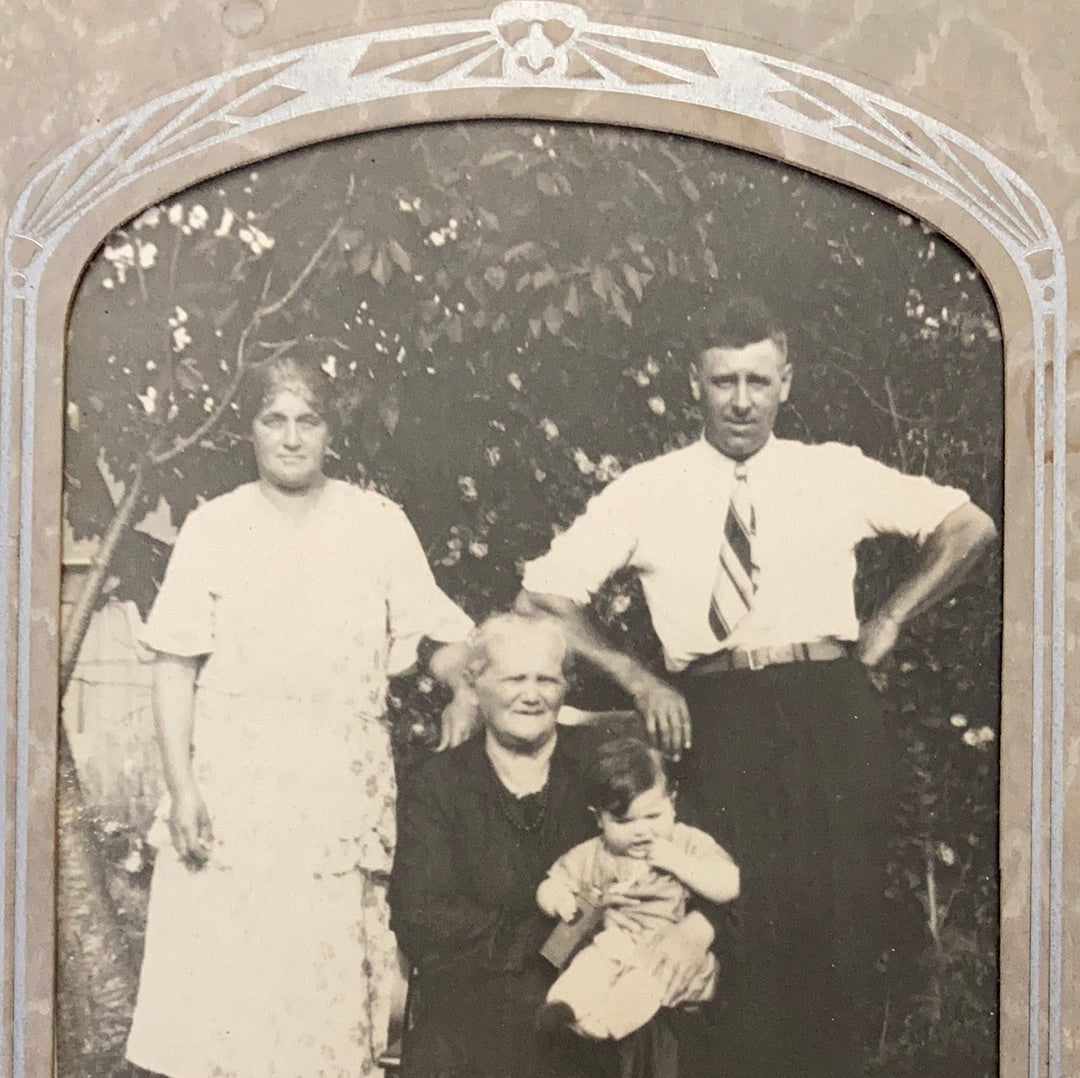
736 575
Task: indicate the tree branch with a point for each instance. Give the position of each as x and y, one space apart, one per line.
863 390
260 314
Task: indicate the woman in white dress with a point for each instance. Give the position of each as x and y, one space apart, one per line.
287 604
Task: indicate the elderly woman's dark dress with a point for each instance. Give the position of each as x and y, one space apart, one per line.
469 858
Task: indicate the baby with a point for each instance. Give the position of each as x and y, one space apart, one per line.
641 868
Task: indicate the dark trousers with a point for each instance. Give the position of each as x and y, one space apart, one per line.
792 772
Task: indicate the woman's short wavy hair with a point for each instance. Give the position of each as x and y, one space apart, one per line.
298 372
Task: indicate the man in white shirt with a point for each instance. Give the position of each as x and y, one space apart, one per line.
745 547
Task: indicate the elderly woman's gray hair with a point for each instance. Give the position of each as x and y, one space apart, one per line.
510 623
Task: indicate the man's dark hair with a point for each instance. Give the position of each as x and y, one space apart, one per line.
622 769
737 322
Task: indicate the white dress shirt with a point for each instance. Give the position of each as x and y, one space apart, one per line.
813 504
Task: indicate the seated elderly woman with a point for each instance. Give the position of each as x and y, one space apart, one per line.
478 828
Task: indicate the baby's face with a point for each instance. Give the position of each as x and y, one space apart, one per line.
651 815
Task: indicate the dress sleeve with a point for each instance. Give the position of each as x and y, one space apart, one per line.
417 607
181 619
890 502
598 543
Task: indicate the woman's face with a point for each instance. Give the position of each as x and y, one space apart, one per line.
290 441
521 690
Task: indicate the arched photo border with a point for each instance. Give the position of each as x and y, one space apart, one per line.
528 58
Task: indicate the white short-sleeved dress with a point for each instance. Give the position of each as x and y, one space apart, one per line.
276 958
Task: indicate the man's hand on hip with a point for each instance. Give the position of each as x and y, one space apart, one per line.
877 638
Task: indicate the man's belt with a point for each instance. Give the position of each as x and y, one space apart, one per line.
755 658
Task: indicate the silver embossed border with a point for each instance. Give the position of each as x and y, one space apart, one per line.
538 44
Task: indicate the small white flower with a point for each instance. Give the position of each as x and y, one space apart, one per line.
584 465
467 486
181 339
405 207
176 214
133 862
978 737
262 239
73 415
551 432
150 218
608 468
514 379
620 604
652 367
197 217
641 378
538 140
436 238
330 365
493 454
147 255
958 720
478 549
227 219
946 854
540 475
657 405
121 255
425 684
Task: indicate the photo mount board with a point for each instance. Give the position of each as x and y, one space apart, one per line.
531 59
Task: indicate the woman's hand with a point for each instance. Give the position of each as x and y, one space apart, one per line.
460 718
190 827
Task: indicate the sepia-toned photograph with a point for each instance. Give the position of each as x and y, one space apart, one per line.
532 608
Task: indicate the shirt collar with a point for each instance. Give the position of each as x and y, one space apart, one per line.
521 775
762 456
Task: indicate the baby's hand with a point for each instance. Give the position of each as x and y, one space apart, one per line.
666 856
557 900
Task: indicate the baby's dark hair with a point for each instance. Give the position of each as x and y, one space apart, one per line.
623 768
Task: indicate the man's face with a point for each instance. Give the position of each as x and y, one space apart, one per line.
522 688
741 390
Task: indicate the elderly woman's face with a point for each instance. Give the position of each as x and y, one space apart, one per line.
290 441
522 688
